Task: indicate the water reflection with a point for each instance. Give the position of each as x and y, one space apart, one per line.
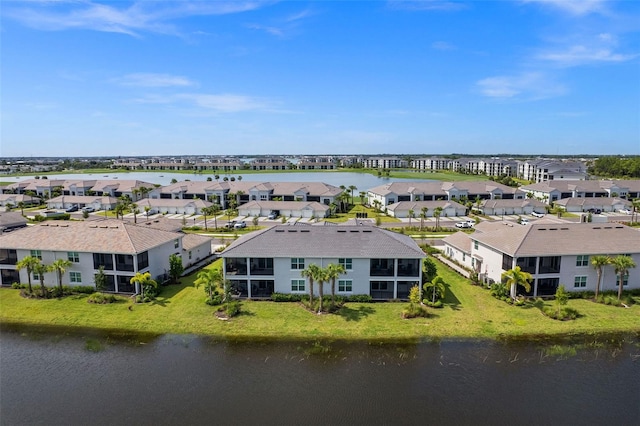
63 379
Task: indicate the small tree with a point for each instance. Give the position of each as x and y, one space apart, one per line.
622 264
435 288
515 277
210 279
429 270
41 269
562 298
59 266
29 263
144 281
100 279
175 268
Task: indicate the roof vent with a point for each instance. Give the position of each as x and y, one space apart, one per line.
342 231
292 230
354 230
597 227
304 230
367 230
279 230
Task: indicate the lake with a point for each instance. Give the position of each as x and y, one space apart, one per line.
187 380
363 181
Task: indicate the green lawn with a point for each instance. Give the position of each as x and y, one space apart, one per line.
469 312
359 208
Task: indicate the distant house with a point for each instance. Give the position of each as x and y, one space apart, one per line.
379 263
551 191
305 209
554 253
10 221
506 207
98 202
15 199
449 208
576 204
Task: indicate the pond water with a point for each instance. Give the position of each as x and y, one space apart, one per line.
186 380
363 181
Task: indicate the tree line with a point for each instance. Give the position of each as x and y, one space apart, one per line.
616 167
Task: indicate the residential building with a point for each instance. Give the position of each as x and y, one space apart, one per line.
542 170
379 263
553 253
122 248
551 191
305 209
385 163
449 208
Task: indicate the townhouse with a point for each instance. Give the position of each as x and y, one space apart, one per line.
122 248
554 253
379 263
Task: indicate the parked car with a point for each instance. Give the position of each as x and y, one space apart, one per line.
72 209
463 225
625 211
273 214
594 211
231 224
536 214
524 221
88 209
240 225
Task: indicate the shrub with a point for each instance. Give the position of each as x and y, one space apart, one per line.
104 298
232 308
414 310
438 304
39 218
215 300
563 314
283 297
19 286
360 298
499 291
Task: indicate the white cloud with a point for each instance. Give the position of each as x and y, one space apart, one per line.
154 80
579 55
574 7
442 45
148 16
419 5
222 103
526 86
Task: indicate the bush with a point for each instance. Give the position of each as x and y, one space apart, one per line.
19 286
39 218
499 291
359 298
232 308
414 310
215 300
284 297
104 298
438 304
563 314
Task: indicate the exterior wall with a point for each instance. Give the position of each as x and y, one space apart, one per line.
195 254
458 255
159 258
359 276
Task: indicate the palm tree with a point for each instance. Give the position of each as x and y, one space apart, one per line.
29 263
423 216
147 209
41 269
311 272
635 204
363 196
21 207
333 271
210 278
321 278
411 213
135 211
205 212
143 280
515 277
215 209
437 212
598 263
59 266
352 188
622 264
436 286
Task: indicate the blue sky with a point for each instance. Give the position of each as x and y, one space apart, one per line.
349 77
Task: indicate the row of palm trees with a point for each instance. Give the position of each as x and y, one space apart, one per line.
437 212
33 265
320 275
621 264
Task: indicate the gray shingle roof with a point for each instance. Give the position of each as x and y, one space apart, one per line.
325 241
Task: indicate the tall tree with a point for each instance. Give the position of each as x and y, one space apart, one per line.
41 269
352 188
59 266
311 272
29 263
621 265
411 214
423 216
333 271
598 263
437 212
516 277
363 197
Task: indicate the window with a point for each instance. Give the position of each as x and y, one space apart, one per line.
580 282
73 256
75 277
8 257
190 254
297 285
475 244
264 197
176 243
345 285
143 260
625 279
37 254
36 276
103 259
582 260
297 263
346 263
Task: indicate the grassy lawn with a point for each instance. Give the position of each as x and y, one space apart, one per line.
469 312
359 208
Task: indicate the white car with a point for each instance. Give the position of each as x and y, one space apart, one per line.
524 221
536 214
625 211
463 225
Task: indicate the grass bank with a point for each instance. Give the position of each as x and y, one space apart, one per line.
469 312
